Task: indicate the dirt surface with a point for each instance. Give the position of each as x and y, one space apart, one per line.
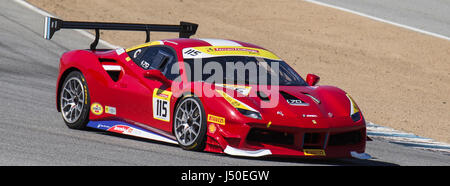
398 77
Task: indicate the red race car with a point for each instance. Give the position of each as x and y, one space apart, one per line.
215 95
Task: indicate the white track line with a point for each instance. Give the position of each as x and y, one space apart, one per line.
380 19
44 13
405 139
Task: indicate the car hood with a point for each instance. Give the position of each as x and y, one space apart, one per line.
296 104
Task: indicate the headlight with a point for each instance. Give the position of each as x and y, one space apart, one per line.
355 114
243 108
249 113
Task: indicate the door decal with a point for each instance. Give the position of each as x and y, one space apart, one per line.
161 104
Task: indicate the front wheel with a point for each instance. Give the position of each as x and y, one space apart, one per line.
190 124
74 101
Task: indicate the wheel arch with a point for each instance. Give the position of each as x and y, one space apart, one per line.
61 82
184 94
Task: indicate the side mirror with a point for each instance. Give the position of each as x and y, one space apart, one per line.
157 75
312 79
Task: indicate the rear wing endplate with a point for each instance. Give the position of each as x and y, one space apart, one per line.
52 25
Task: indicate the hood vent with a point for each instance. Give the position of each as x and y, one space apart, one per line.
292 100
312 97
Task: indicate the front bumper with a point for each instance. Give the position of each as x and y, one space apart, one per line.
256 140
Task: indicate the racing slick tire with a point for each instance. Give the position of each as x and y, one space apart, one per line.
190 124
74 101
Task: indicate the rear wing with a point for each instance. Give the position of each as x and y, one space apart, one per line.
52 25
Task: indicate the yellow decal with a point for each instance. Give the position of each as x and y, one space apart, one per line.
214 51
96 109
161 104
268 124
234 102
245 90
314 122
314 152
110 110
216 119
85 93
128 59
145 45
353 107
212 128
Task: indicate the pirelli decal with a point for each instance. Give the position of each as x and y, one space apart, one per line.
215 51
216 119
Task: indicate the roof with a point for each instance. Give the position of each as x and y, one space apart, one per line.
204 47
201 42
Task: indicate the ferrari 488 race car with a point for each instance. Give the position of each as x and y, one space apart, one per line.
215 95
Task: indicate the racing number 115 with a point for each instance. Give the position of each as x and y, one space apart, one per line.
161 108
161 104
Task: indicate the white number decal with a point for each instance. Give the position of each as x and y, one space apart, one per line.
161 104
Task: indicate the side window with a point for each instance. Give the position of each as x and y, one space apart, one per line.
157 57
166 61
160 60
143 56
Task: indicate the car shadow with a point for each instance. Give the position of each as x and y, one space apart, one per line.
318 161
300 160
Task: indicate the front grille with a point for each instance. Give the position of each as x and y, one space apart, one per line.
270 137
313 140
346 138
305 140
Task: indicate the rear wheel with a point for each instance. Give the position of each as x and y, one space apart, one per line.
190 124
74 101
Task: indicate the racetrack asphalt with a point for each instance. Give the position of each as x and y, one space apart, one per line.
428 15
33 132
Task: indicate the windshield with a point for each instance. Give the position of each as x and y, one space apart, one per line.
242 70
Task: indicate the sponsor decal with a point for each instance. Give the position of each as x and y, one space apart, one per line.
314 122
161 104
314 152
110 110
120 51
145 64
280 113
103 127
212 128
216 119
330 114
121 129
309 116
96 109
210 51
129 129
137 53
235 49
85 93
